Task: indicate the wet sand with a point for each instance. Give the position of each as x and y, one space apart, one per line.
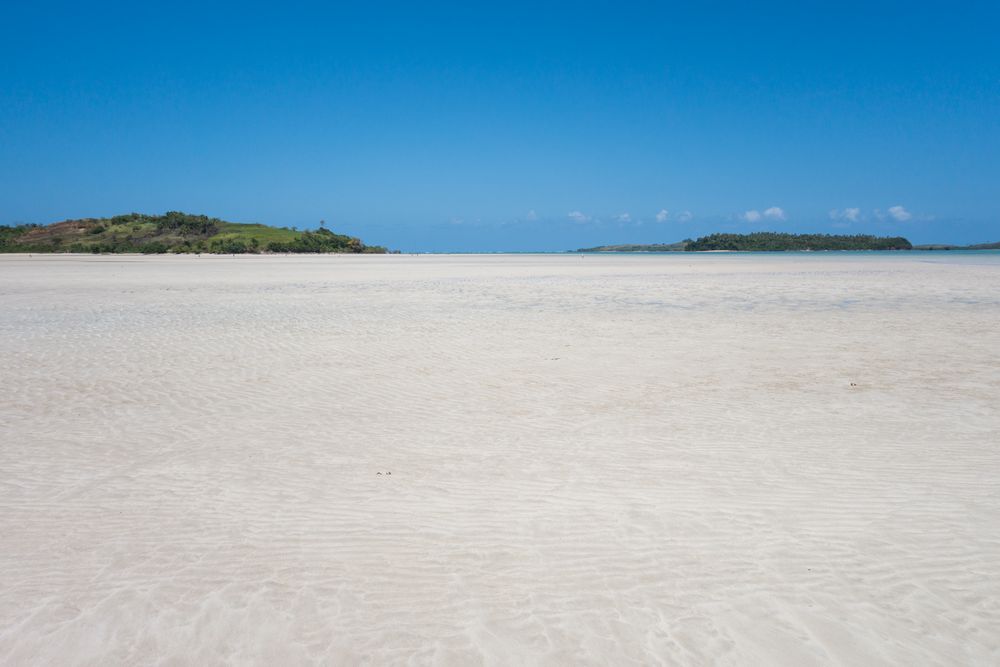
722 459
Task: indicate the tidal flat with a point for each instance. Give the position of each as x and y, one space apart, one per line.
500 459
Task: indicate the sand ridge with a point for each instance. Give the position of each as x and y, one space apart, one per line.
616 459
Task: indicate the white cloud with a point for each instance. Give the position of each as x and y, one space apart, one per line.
848 214
899 213
531 215
623 217
662 215
684 216
577 216
775 213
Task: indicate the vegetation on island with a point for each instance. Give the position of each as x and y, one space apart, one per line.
766 242
173 232
777 241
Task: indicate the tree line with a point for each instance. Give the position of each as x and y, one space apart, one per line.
777 241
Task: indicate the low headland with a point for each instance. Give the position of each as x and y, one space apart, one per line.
173 232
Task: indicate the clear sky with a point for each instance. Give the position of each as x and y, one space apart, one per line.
508 126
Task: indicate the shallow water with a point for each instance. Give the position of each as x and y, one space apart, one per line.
736 459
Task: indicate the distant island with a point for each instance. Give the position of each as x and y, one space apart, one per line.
653 247
768 242
774 241
173 232
946 246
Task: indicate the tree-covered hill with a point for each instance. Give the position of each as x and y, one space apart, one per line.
775 241
173 232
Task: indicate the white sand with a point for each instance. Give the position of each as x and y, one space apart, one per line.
635 459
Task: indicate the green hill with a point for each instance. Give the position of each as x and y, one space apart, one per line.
172 232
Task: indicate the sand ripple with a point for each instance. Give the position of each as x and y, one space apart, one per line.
616 460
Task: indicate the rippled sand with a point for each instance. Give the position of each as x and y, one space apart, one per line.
641 459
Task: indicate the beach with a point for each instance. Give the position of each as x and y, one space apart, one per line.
500 459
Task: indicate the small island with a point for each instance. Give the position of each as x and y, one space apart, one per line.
173 232
767 242
777 242
633 247
948 246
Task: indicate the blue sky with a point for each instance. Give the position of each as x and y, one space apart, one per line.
508 126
